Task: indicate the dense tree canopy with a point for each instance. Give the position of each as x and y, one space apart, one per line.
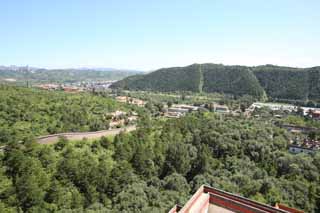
164 80
236 80
276 82
158 165
148 170
26 112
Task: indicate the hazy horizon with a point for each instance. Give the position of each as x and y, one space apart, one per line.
141 70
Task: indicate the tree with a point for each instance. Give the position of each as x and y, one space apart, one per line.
179 157
65 196
31 184
176 182
132 199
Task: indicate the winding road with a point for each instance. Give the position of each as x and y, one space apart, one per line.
51 139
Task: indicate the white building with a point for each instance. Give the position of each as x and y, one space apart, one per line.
273 106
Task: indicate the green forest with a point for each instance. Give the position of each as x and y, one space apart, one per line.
234 80
164 80
275 82
28 112
160 164
151 169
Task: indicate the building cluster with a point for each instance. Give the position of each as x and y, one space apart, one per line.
306 146
211 200
49 86
306 111
59 87
78 86
130 100
220 108
121 118
95 85
179 110
272 107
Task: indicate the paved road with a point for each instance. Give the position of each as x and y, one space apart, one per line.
51 139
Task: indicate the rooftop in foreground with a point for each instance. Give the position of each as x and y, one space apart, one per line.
211 200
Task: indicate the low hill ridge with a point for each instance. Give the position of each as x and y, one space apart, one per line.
274 81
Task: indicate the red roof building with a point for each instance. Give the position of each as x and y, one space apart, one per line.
211 200
315 114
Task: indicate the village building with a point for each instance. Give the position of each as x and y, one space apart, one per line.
179 110
220 108
122 99
307 146
315 114
186 107
120 118
48 86
117 119
137 102
211 200
297 129
130 100
307 111
174 114
273 106
71 89
117 114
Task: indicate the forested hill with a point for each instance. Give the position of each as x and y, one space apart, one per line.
168 79
275 81
196 78
289 83
236 80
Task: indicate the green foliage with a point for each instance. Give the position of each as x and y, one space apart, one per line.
281 83
301 121
287 83
158 165
234 80
25 113
197 78
164 80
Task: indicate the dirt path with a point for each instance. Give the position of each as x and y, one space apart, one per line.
51 139
201 79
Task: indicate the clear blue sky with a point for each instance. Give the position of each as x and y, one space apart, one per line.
147 34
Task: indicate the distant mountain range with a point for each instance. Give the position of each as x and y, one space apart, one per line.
268 80
34 74
108 69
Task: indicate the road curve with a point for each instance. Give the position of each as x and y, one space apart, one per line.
51 139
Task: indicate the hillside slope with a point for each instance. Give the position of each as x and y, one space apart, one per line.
275 81
196 78
236 80
283 82
164 80
289 83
